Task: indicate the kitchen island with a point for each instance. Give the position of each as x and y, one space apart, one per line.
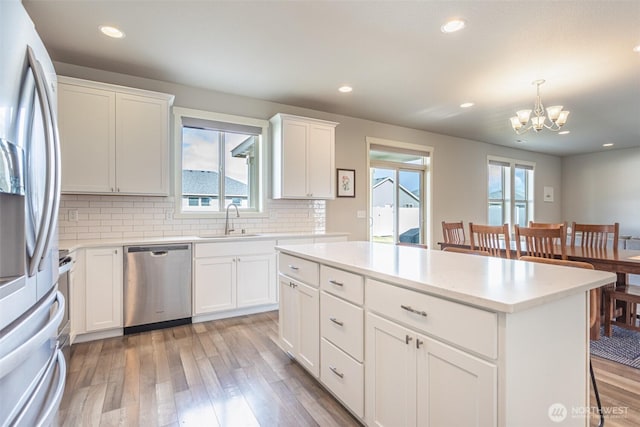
406 336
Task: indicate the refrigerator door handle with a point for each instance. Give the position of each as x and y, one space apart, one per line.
45 417
54 164
11 360
45 225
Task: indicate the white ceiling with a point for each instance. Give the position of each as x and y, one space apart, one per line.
403 69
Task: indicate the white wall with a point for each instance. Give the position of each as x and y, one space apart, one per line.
603 188
459 166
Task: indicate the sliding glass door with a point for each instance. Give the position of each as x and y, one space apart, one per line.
397 195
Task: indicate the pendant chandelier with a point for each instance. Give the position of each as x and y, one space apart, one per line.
557 115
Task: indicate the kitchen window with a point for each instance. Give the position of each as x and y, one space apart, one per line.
218 162
510 191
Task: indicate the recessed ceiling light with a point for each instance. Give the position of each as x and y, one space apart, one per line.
112 32
608 144
467 104
564 132
345 89
637 49
453 25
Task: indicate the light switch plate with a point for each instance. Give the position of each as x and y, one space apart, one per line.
361 214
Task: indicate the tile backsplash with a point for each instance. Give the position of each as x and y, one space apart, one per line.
110 217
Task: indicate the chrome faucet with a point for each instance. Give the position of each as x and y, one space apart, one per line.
228 230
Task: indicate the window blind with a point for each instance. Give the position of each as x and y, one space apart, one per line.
193 122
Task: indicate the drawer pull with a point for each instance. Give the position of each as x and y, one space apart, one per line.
292 285
413 310
335 371
419 342
407 339
336 321
335 282
293 267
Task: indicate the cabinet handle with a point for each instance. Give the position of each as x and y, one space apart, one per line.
336 321
292 285
118 189
293 267
413 310
407 339
419 342
335 371
334 282
112 189
115 251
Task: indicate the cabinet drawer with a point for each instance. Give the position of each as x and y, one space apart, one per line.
254 247
469 327
346 285
298 268
343 376
342 323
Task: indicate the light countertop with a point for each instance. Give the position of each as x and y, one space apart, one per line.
491 283
72 245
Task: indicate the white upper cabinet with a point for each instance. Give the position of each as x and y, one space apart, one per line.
113 139
303 157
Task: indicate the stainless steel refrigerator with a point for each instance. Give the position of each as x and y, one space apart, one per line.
32 367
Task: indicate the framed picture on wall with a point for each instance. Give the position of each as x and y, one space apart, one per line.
346 183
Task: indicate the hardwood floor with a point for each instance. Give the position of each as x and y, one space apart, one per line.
226 372
619 388
231 373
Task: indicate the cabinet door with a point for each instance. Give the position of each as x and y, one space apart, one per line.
142 145
103 288
86 119
454 388
390 374
294 159
321 173
288 316
214 287
308 353
256 280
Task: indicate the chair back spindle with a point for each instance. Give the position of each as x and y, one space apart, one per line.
489 237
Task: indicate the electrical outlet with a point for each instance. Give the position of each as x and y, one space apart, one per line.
73 214
168 214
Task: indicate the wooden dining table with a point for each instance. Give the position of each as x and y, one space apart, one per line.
622 262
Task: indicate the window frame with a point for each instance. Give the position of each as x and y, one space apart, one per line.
426 170
260 176
509 201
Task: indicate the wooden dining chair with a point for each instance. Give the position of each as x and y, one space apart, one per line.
491 238
593 312
595 236
466 251
453 232
541 242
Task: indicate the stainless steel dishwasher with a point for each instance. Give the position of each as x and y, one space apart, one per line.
157 286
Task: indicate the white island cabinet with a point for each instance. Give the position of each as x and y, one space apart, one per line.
449 339
113 139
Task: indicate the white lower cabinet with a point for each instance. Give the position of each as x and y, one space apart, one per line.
215 280
343 375
299 322
103 289
413 380
228 276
